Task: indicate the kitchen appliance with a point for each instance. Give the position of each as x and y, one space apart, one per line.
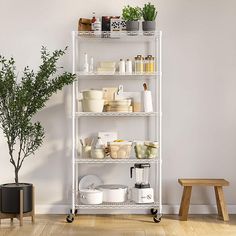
142 192
114 192
90 196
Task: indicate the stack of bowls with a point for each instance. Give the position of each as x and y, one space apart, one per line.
92 101
122 105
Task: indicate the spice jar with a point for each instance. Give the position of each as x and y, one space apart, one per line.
139 64
149 64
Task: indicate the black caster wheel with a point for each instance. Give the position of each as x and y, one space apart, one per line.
153 211
76 211
157 219
70 218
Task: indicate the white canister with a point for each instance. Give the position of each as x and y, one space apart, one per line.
121 66
128 66
90 196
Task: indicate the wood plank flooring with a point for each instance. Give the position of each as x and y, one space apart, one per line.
120 225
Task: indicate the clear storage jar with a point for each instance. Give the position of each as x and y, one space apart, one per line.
139 64
119 150
149 64
146 149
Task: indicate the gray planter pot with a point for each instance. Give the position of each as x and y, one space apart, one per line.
10 197
149 25
132 25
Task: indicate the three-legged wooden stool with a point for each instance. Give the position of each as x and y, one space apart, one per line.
218 186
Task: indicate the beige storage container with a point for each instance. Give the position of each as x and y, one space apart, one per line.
119 150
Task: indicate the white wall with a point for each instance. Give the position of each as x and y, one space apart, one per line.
199 53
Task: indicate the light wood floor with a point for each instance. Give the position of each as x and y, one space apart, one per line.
117 225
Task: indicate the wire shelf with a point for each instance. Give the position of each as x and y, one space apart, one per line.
148 35
115 114
115 161
82 74
123 205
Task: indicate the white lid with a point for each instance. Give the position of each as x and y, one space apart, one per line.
90 191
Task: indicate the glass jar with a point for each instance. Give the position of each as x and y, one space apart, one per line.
139 64
149 64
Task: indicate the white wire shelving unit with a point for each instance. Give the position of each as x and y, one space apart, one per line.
118 37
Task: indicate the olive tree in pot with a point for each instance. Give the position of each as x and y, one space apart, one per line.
20 100
149 14
132 15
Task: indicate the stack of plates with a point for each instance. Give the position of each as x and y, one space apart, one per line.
123 105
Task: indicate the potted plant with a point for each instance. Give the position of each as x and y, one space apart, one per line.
132 15
20 99
149 14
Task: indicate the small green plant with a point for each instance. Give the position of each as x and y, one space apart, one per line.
131 13
21 98
149 12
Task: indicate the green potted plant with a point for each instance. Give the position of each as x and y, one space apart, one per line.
149 14
20 99
132 15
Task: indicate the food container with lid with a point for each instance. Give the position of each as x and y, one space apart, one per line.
138 64
114 192
90 196
119 150
146 149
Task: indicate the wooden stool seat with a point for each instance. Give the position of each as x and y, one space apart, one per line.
218 186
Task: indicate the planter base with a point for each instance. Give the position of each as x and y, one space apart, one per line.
21 214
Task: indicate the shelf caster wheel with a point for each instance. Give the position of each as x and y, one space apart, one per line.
153 211
75 212
157 219
70 218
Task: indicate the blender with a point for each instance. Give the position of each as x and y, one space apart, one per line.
142 192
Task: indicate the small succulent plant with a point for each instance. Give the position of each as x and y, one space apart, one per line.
149 12
131 13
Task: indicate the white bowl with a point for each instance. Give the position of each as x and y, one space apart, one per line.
93 94
92 105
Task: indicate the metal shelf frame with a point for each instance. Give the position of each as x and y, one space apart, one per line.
114 161
123 205
121 37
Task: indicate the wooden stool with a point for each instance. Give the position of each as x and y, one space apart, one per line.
21 213
218 186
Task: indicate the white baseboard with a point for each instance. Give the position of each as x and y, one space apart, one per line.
167 209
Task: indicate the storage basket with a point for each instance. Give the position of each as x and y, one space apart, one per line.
146 149
119 150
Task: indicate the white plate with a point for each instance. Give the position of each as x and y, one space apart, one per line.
89 182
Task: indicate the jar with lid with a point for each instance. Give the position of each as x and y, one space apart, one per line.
139 64
149 64
98 150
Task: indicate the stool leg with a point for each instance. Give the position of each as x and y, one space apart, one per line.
33 206
21 207
185 201
220 201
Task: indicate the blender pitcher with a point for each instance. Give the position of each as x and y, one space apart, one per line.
141 175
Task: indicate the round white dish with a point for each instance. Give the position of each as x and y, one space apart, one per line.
89 182
90 196
114 192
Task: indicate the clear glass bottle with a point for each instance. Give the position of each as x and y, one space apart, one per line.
98 150
138 64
